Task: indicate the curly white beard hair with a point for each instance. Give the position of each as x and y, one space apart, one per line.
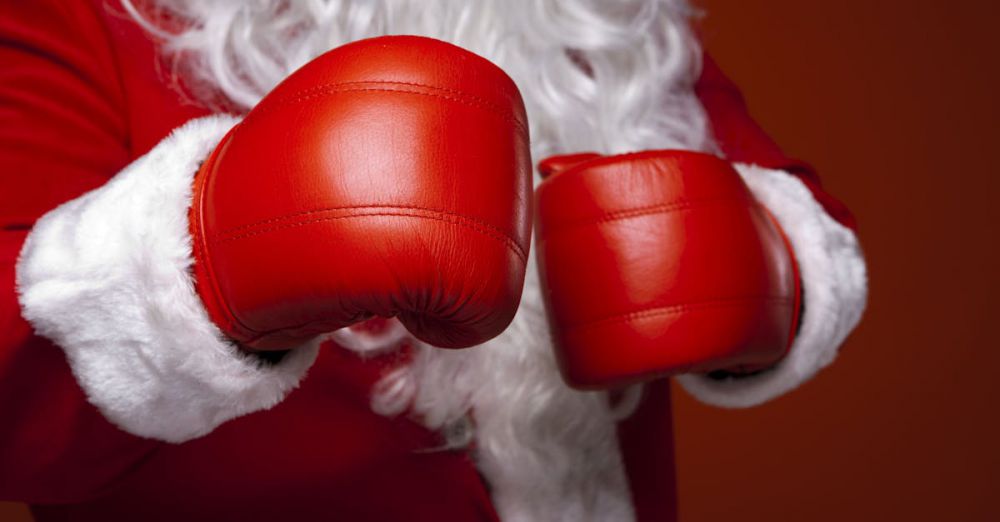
596 75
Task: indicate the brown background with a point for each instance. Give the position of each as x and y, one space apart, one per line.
893 101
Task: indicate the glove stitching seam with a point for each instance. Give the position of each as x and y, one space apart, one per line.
684 158
665 208
457 219
678 309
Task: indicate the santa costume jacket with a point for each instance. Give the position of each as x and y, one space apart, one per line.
118 401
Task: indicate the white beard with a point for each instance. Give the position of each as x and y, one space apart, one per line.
596 75
634 91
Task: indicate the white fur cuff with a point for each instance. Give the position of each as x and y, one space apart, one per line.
106 277
834 286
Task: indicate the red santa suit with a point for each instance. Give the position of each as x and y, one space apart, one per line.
116 403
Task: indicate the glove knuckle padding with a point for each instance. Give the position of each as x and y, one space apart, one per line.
657 263
389 177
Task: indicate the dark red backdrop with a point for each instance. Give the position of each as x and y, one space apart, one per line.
894 102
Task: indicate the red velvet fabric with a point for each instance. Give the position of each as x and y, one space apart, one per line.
82 93
743 140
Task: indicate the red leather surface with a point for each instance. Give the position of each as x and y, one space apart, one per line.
389 177
658 263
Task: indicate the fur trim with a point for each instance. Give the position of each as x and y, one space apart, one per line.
834 285
106 277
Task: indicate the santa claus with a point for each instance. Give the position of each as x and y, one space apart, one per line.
205 204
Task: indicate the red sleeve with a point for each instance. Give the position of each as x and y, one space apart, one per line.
743 140
62 132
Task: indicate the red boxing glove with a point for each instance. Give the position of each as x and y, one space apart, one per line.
658 263
388 177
